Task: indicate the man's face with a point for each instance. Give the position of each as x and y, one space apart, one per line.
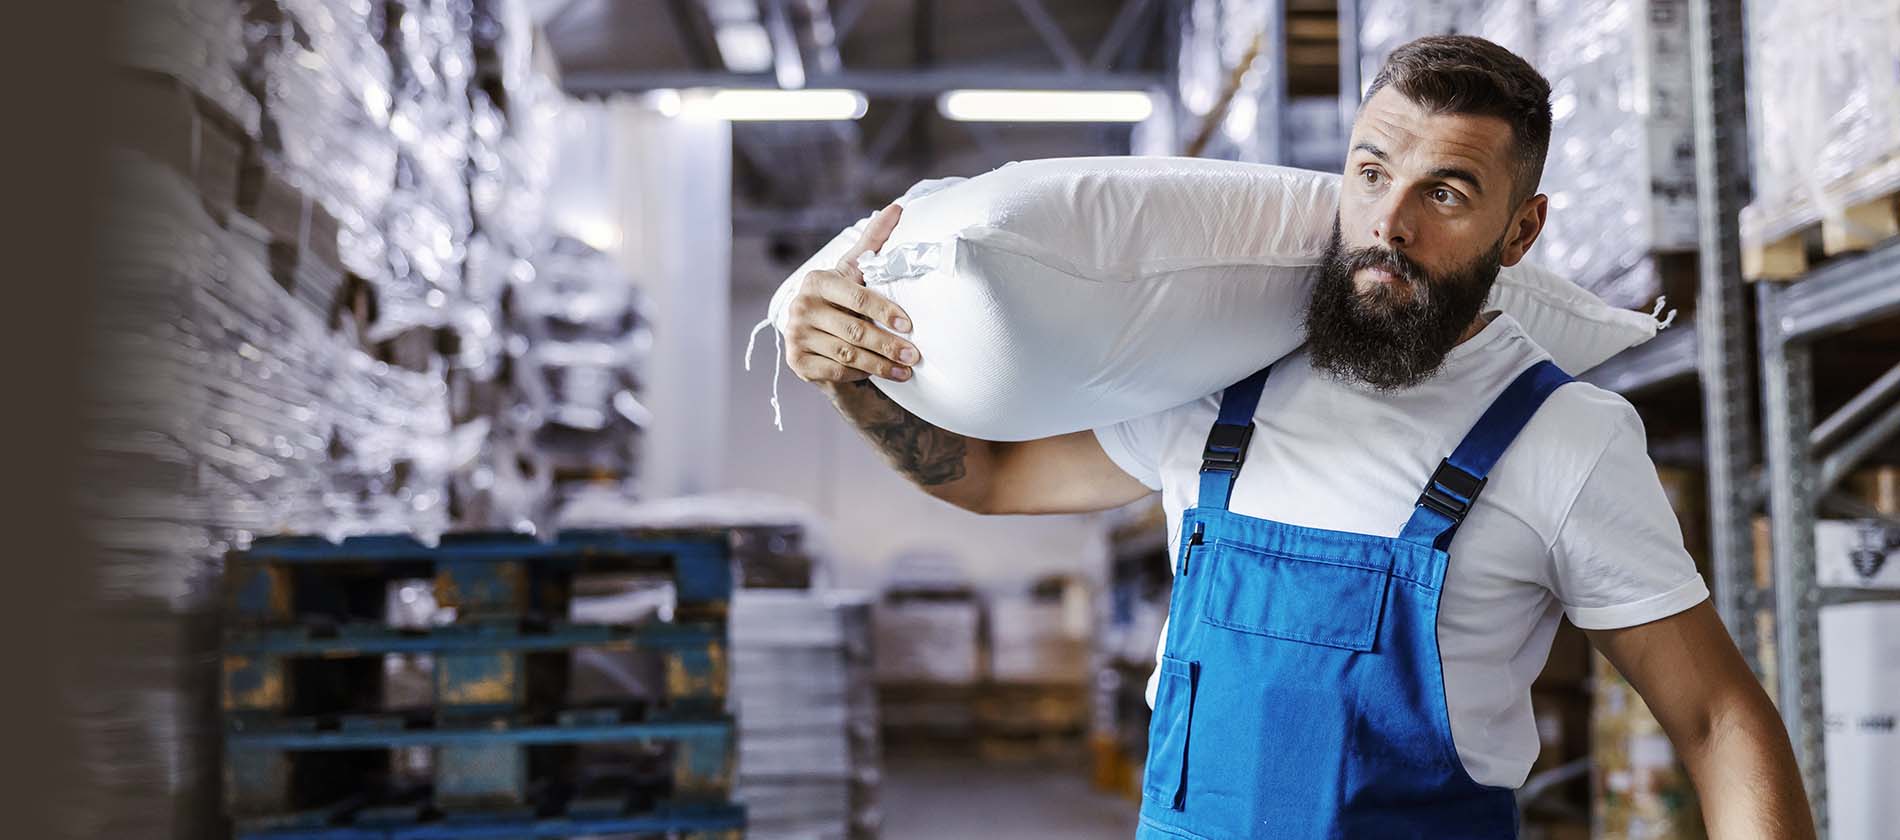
1427 216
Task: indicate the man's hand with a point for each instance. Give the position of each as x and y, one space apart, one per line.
831 325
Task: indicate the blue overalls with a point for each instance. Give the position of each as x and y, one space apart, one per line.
1301 694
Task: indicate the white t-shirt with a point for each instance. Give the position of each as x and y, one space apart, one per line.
1573 521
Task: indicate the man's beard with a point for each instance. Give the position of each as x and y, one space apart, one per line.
1380 337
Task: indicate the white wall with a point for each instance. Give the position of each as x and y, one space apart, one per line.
673 183
873 514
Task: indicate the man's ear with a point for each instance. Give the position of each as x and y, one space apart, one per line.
1526 224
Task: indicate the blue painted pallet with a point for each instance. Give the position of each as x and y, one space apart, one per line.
297 735
301 618
478 765
483 574
368 638
713 821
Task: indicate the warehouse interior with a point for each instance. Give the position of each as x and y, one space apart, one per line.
445 480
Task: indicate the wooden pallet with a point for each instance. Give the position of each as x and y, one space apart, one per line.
304 647
1851 228
688 821
304 772
339 669
1030 747
285 581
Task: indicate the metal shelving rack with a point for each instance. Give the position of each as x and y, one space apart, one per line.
1723 336
1806 459
1803 459
1714 350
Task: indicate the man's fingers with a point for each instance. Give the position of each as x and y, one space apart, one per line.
874 235
853 296
861 333
812 367
856 358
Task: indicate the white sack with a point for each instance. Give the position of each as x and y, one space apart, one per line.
1057 295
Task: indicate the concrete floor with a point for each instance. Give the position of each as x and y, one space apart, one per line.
947 797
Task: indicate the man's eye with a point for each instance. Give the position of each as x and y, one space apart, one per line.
1444 196
1371 176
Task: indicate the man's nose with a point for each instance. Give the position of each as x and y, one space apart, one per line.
1391 222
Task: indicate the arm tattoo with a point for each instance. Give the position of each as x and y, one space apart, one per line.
924 453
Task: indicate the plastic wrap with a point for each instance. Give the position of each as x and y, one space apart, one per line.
225 409
427 218
502 32
511 161
1621 168
323 77
1511 24
259 418
200 42
1385 25
582 345
1825 82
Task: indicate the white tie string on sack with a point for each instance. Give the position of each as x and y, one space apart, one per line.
778 363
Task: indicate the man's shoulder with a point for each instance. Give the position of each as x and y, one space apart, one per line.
1583 418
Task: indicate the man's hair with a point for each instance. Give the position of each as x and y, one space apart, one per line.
1461 74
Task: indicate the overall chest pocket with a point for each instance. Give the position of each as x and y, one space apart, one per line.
1318 601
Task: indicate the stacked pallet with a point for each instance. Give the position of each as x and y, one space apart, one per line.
258 380
315 748
1827 133
1034 704
808 746
809 752
928 663
587 343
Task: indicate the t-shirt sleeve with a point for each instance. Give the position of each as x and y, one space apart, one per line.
1618 558
1135 446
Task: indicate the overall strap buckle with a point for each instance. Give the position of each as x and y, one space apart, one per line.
1452 491
1226 447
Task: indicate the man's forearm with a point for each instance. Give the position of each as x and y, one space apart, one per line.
946 465
1745 774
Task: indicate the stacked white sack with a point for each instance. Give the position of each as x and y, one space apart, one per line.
1058 295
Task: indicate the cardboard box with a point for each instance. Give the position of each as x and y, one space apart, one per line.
927 641
1860 702
1688 496
1861 553
163 118
1877 486
293 216
1638 788
1036 641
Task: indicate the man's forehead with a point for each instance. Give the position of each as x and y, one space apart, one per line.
1401 128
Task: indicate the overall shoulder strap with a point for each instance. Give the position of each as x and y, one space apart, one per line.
1227 441
1454 487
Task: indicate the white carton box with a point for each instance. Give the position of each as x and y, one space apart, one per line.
1861 553
926 641
1860 699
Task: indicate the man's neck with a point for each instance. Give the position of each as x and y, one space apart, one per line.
1477 325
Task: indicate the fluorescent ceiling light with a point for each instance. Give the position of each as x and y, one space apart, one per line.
745 47
779 105
1046 105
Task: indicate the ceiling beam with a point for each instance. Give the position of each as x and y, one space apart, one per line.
788 65
1051 34
887 84
1127 19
